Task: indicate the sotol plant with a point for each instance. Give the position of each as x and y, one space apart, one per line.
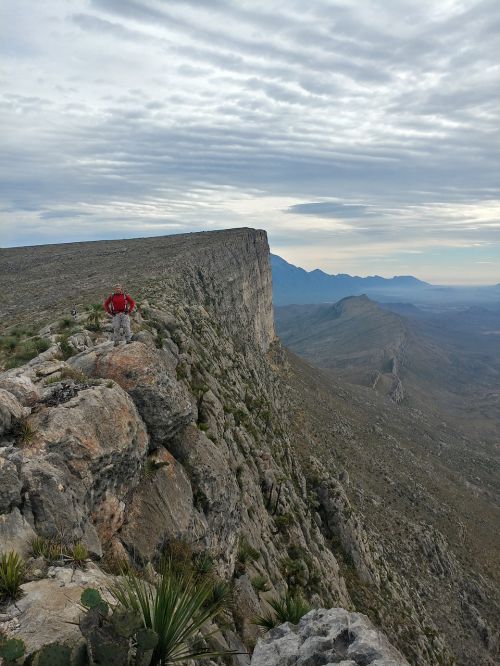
12 570
288 608
176 606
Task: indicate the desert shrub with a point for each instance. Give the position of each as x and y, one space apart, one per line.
66 349
26 350
203 563
8 342
67 373
12 568
246 552
288 608
24 431
283 520
260 584
294 571
65 323
50 549
77 554
175 606
95 312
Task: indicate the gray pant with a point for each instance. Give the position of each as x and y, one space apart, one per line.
121 320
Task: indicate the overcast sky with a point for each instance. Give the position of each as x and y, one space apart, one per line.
363 136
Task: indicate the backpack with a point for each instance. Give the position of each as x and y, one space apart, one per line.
112 307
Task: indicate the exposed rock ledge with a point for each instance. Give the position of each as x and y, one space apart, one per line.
327 637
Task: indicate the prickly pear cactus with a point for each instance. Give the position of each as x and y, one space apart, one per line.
110 654
11 649
91 598
53 655
125 622
147 640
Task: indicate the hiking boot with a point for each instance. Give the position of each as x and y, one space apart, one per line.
128 342
116 343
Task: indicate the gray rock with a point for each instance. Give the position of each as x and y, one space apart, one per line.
85 457
10 411
10 485
148 375
49 609
21 386
332 636
161 510
15 532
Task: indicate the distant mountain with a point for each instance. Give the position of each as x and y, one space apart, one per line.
292 284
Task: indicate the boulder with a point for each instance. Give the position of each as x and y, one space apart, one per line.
21 386
246 607
161 510
216 494
332 636
49 609
15 533
85 456
10 411
148 375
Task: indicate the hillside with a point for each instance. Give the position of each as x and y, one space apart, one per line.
443 362
205 434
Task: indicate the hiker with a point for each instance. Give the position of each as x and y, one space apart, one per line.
119 305
74 312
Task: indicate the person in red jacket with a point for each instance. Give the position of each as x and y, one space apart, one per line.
119 305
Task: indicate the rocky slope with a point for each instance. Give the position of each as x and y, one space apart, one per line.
187 438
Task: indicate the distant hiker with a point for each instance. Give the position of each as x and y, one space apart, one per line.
119 305
73 312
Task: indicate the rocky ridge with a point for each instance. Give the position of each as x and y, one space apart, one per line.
183 436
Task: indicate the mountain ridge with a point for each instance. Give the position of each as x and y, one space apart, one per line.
339 492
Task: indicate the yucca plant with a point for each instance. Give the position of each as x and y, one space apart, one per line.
176 606
12 568
77 555
50 549
260 584
94 317
288 608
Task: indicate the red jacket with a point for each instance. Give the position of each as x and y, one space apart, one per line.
119 303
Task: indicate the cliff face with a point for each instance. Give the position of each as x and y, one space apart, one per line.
178 438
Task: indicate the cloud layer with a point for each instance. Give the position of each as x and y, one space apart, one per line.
363 136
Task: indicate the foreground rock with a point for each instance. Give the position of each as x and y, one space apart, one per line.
49 609
328 637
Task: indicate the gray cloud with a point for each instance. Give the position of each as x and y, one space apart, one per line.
327 123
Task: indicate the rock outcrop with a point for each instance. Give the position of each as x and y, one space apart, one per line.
330 637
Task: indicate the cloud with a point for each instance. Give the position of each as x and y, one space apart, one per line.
371 123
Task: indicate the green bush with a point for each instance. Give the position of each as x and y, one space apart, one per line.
67 373
288 608
65 323
246 553
78 555
12 568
